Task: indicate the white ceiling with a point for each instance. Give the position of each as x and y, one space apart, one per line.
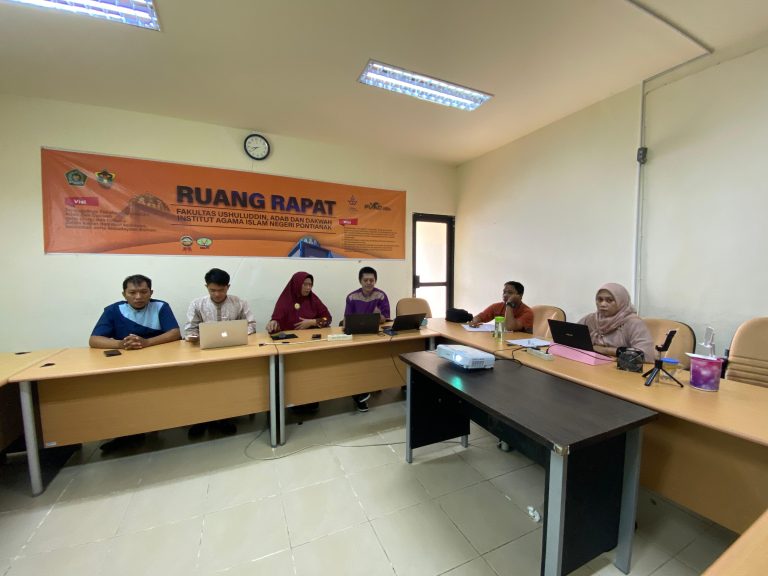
290 67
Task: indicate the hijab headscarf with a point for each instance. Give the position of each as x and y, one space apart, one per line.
607 324
291 306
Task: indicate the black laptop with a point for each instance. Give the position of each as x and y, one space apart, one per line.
570 334
407 322
361 323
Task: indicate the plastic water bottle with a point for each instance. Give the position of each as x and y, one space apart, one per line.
708 344
498 327
671 366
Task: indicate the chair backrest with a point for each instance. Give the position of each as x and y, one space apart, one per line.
412 306
541 314
684 341
748 357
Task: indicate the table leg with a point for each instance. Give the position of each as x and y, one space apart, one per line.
408 451
554 515
30 437
272 402
431 342
629 500
465 441
281 396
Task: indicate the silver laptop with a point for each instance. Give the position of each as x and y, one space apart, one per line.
223 334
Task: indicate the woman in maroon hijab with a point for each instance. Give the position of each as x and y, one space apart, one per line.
298 308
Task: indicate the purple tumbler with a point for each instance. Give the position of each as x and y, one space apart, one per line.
705 372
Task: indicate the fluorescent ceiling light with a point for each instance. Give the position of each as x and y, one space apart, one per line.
134 12
423 87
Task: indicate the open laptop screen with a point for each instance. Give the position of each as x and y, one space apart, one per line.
570 334
361 323
408 322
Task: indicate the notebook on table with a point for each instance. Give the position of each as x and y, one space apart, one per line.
361 323
223 334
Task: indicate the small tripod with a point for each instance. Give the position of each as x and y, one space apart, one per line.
658 364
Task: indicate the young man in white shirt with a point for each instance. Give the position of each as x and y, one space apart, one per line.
218 306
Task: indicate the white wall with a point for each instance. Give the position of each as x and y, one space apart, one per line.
554 210
54 300
706 197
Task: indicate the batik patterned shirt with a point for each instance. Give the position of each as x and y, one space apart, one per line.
206 310
359 303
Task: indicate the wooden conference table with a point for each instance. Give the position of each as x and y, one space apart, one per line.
748 556
316 370
80 395
11 424
587 441
707 451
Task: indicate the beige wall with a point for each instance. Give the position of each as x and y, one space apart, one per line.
557 209
554 210
705 197
55 299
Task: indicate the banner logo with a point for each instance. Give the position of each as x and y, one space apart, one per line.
186 243
76 178
105 178
377 206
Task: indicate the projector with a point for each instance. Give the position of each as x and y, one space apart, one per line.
466 357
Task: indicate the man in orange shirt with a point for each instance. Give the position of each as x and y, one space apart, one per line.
517 316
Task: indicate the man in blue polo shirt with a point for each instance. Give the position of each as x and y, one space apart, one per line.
135 323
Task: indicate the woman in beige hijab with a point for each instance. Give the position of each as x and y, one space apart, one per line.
616 323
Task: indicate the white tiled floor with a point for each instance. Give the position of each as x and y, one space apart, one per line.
337 499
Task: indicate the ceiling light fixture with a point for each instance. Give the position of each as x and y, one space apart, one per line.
134 12
423 87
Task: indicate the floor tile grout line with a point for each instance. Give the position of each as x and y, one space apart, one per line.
285 522
513 540
200 541
40 523
384 548
357 496
125 512
331 533
706 529
458 528
464 564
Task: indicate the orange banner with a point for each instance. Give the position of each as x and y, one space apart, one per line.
108 204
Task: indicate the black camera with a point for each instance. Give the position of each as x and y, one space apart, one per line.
630 359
